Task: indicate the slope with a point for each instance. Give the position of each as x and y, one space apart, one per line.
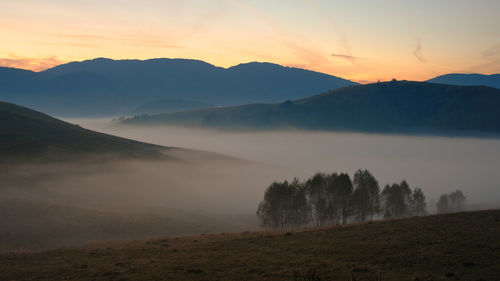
26 134
398 107
461 246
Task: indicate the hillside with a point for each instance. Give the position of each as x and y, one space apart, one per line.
395 107
462 246
460 79
36 224
105 87
26 134
170 105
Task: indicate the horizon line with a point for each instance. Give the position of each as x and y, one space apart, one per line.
360 81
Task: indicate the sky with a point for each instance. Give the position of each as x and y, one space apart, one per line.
364 41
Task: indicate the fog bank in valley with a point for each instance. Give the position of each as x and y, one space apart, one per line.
436 164
53 205
59 204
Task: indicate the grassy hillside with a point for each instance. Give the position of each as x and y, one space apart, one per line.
463 246
35 224
398 107
31 135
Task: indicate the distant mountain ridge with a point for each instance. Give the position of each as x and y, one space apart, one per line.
389 107
111 87
461 79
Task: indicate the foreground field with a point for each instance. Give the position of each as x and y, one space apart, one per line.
463 246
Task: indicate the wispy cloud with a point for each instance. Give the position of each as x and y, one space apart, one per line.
136 41
492 52
83 36
346 57
149 42
344 44
491 58
418 50
307 56
35 64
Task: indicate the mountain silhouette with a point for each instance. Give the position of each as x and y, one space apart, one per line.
393 107
26 134
111 87
468 80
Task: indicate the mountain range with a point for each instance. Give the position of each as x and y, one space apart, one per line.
108 87
468 80
393 107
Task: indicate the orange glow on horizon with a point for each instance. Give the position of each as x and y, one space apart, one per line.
385 41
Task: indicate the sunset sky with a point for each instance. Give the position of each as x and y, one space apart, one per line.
360 40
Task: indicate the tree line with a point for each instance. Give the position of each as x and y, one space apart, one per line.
332 198
452 202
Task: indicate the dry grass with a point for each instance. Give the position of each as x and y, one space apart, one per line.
464 246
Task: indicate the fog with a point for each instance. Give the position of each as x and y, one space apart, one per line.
60 204
436 164
52 205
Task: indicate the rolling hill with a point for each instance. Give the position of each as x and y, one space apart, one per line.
26 134
394 107
461 246
170 105
105 87
468 80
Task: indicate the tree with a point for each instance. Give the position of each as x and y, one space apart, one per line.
419 205
405 199
366 196
360 199
299 207
334 198
284 206
316 196
397 200
442 204
456 201
332 212
343 194
274 210
453 202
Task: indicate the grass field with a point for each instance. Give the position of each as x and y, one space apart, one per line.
462 246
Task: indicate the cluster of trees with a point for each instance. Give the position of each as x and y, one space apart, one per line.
449 203
334 199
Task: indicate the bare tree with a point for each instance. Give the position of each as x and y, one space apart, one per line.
366 197
442 204
419 205
456 201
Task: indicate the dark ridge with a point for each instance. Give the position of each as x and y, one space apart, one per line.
28 135
390 107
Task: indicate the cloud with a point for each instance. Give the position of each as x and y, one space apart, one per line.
491 60
418 50
306 53
136 41
492 52
363 81
84 36
35 64
346 57
149 42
